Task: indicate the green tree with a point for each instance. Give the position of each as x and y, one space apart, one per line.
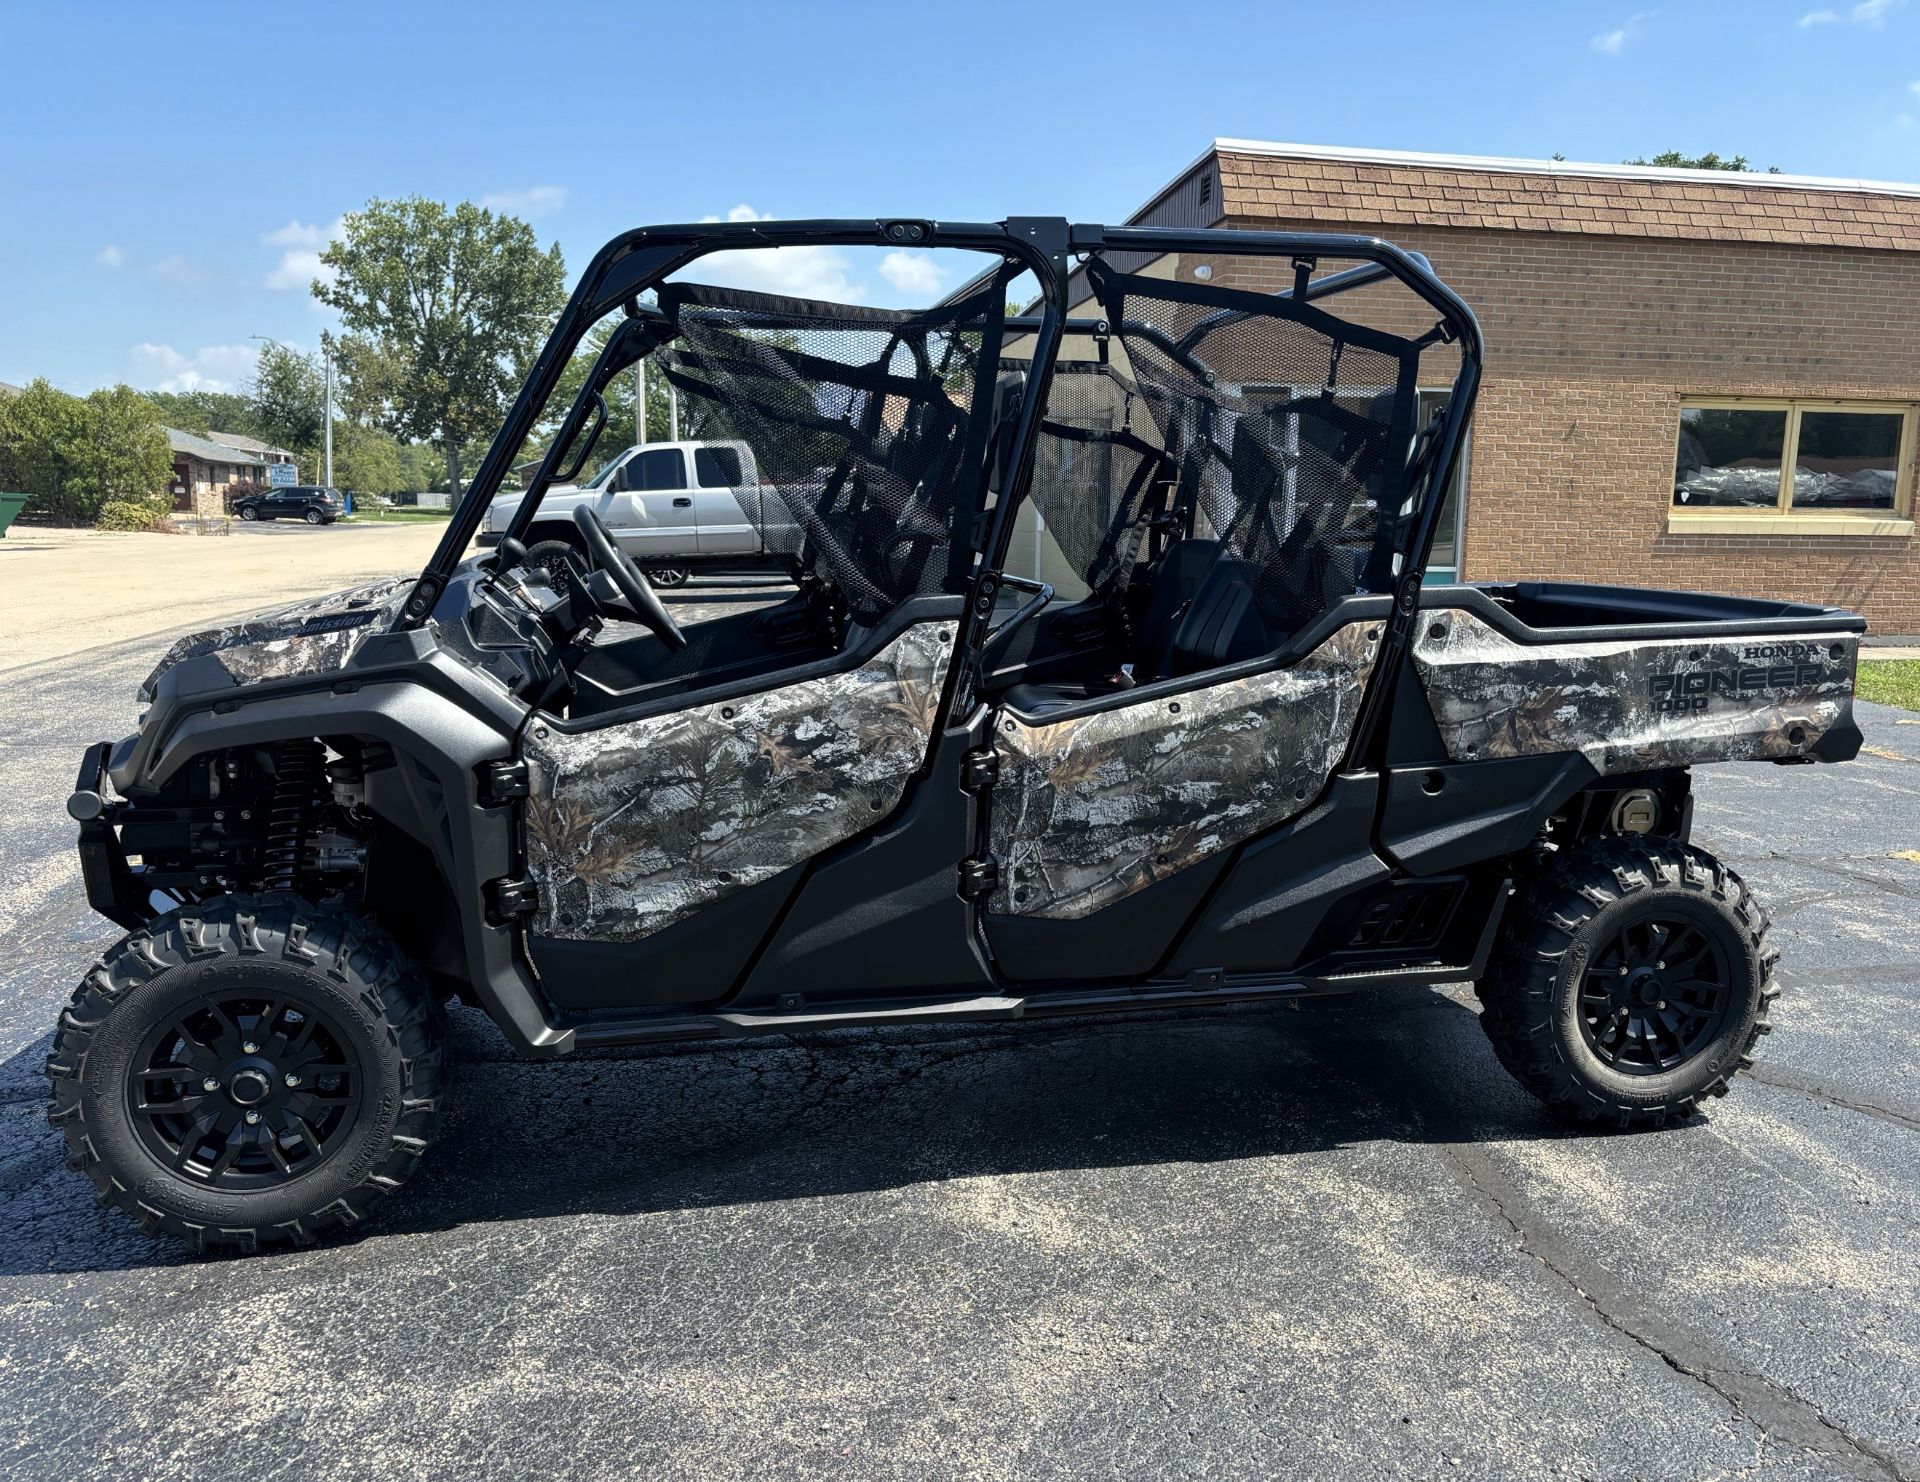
286 402
200 412
71 455
367 460
1673 159
444 310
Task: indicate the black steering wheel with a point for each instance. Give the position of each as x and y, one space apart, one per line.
633 585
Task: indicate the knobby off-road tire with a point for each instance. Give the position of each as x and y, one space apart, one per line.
562 560
1632 980
308 1018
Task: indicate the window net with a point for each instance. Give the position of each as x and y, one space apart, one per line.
861 432
1272 427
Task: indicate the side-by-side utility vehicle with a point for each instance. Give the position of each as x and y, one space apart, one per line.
1231 747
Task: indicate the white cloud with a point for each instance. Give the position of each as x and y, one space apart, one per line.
535 200
1914 88
177 271
297 233
210 368
110 256
300 243
1866 13
912 272
803 272
1612 43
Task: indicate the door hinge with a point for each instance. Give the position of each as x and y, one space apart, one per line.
979 877
979 770
508 899
502 782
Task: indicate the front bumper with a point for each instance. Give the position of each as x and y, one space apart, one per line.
111 888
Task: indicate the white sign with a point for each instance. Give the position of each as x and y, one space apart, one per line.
282 473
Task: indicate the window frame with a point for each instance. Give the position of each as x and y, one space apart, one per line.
1783 517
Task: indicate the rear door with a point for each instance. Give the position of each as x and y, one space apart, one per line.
725 504
1257 597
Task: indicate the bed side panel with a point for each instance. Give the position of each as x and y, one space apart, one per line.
1631 704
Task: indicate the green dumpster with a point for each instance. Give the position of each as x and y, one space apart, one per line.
10 505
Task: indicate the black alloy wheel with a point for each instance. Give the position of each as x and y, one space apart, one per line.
1655 995
244 1091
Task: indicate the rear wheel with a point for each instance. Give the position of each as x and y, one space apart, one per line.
251 1071
669 576
1632 979
314 517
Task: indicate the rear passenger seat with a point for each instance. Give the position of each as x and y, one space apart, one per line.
1200 613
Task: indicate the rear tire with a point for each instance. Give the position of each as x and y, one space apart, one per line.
1632 980
249 1071
314 517
668 576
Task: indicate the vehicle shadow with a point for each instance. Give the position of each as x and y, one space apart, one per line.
854 1111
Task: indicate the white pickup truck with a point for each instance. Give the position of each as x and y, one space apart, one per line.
673 507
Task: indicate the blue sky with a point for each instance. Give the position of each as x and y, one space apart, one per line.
167 173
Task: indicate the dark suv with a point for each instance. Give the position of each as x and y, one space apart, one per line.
309 502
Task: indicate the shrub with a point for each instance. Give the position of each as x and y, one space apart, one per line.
135 514
72 455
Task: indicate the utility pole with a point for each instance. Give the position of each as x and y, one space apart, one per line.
640 401
328 355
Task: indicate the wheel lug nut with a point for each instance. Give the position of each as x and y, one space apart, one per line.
252 1117
292 1079
211 1083
251 1048
1661 1004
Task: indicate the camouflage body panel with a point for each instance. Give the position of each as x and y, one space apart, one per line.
1088 810
635 826
306 638
1633 704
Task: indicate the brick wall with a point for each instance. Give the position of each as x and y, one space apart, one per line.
1591 343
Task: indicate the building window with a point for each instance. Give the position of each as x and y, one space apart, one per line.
1793 458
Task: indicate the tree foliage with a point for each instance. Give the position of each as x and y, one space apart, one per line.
1673 159
286 403
444 310
200 412
71 455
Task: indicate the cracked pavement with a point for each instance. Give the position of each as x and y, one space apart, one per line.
1324 1239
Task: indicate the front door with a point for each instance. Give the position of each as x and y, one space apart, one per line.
649 507
685 807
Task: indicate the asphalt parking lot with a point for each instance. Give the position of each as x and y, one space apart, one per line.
1329 1239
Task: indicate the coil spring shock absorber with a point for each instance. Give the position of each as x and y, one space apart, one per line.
299 768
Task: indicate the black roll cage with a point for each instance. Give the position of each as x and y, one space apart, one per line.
641 259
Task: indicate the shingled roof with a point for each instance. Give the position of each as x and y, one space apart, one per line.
1393 188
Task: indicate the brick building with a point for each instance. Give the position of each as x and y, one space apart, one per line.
1693 379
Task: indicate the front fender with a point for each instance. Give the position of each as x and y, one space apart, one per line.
444 740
